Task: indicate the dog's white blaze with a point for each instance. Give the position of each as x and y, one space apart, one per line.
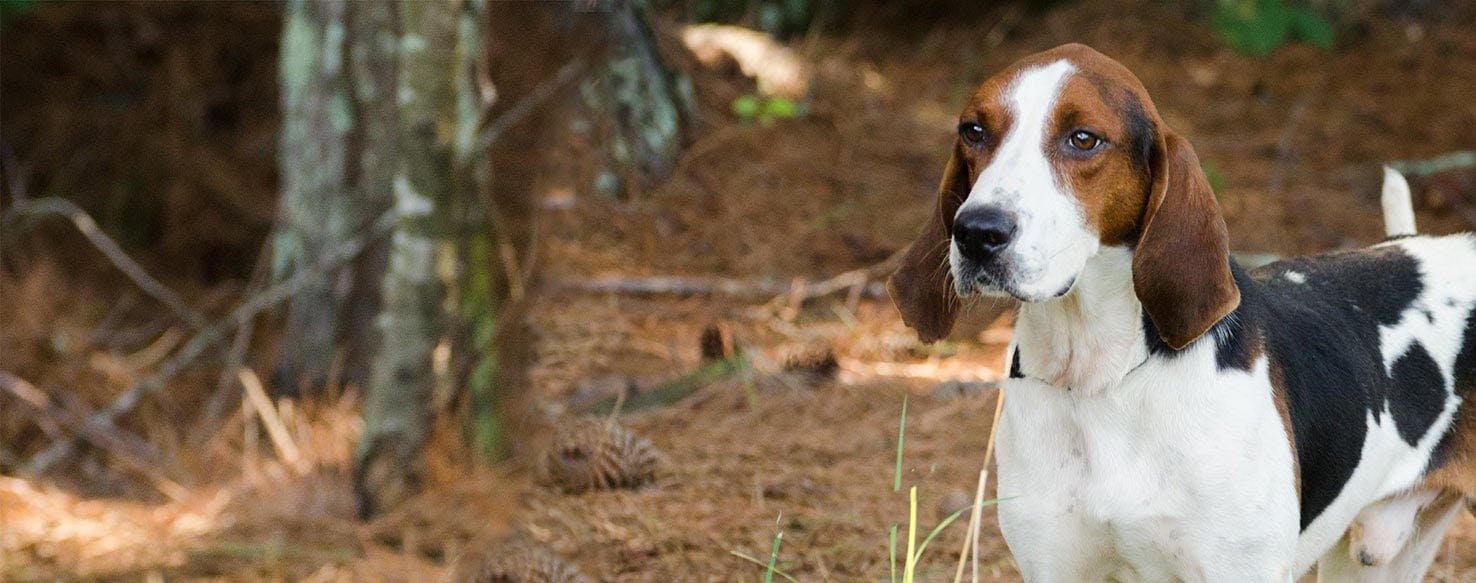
1052 240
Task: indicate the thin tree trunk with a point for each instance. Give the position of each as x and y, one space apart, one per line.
334 145
397 408
647 105
481 291
375 67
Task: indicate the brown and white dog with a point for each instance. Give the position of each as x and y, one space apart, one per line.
1171 416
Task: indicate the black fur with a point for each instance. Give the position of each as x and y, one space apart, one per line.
1015 372
1421 393
1322 339
1141 133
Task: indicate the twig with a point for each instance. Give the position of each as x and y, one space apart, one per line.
690 286
670 391
1285 157
226 382
494 128
490 132
971 539
133 451
663 285
15 174
120 259
1442 163
37 399
281 438
212 334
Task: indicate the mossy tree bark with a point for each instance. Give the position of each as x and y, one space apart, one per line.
432 195
337 72
648 106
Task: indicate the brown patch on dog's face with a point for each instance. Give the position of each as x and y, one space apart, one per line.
1111 182
1101 98
1099 167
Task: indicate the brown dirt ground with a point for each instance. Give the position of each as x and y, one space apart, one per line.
1297 138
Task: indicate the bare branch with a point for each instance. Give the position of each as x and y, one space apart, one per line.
863 280
496 127
211 335
135 453
109 248
1442 163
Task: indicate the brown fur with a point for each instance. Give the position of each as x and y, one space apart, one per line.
1278 395
1459 471
1181 267
922 286
1165 207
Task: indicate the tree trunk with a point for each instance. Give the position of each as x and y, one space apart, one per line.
412 321
481 289
648 107
335 87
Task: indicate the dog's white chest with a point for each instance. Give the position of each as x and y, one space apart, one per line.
1143 481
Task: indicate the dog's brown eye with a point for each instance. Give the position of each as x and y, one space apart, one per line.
1084 140
971 132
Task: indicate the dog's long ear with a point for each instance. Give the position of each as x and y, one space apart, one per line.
1181 266
922 286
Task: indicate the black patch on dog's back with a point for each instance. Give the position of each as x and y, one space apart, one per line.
1322 337
1417 394
1322 334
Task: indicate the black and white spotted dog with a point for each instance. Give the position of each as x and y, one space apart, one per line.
1169 415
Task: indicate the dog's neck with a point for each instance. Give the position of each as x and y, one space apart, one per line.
1089 339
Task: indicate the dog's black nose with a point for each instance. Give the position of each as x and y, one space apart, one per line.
983 232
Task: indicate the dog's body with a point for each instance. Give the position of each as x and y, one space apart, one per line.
1169 415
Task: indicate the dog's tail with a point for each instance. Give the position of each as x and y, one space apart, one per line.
1399 218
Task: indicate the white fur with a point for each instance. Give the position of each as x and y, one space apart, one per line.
1296 277
1053 240
1399 218
1341 565
1160 469
1090 338
1383 528
1153 469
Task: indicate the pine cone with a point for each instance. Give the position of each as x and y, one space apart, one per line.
815 362
520 565
716 342
590 454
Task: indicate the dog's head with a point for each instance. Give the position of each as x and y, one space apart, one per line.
1058 156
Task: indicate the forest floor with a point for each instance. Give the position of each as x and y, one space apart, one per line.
1293 141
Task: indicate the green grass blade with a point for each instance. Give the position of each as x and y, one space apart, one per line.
909 572
940 527
760 563
901 436
773 557
892 550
